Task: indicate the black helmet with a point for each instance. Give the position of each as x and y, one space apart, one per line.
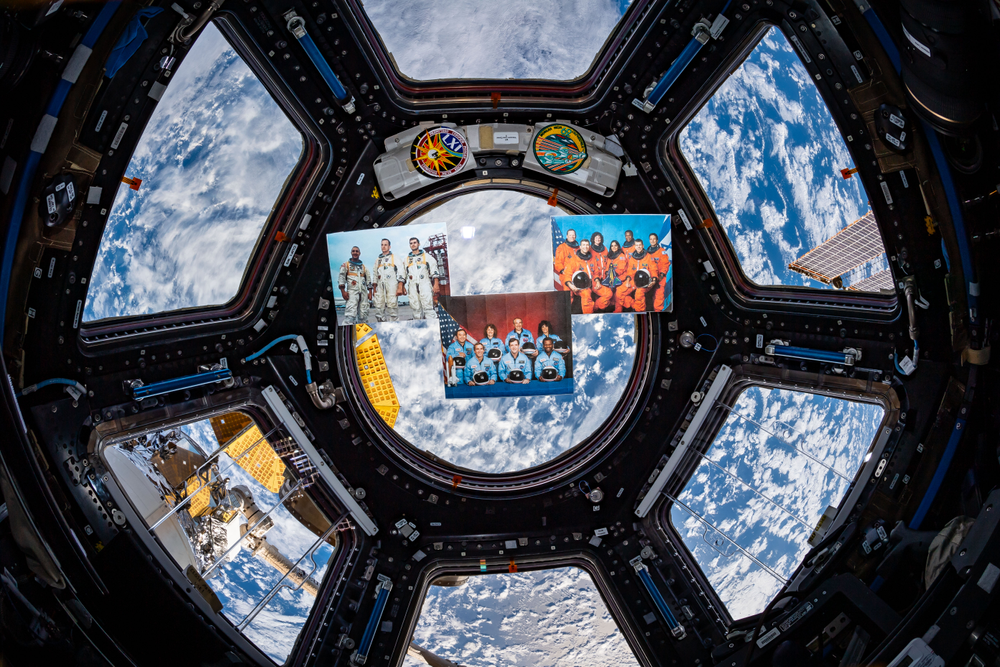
459 362
549 373
481 377
560 345
516 375
581 280
528 346
494 353
642 278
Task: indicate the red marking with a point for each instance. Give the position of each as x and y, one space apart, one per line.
455 481
706 223
132 183
495 98
281 237
512 567
554 197
846 173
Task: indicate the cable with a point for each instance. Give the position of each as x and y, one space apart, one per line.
45 383
714 340
300 341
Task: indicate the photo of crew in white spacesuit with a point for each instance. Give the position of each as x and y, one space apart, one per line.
356 287
406 270
390 284
422 281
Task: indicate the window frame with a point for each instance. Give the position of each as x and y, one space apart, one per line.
746 377
535 92
524 481
251 404
265 259
713 237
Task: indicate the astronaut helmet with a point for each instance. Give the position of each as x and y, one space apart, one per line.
528 346
481 377
459 362
642 278
516 375
549 373
494 353
581 280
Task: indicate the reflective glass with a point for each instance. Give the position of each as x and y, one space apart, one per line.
213 160
509 251
769 156
518 39
158 472
535 619
780 459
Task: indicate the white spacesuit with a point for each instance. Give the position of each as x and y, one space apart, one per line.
355 286
421 269
389 277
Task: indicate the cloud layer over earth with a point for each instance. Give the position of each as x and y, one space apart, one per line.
833 433
517 39
769 155
210 177
535 619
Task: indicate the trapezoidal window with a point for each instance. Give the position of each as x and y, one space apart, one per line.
769 156
229 519
212 160
517 619
520 39
779 461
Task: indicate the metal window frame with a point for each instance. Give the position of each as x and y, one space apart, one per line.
697 205
748 376
300 188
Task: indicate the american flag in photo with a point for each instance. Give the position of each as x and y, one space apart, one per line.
557 240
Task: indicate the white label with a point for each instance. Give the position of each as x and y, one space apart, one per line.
291 254
902 176
885 191
360 178
60 187
892 140
52 266
684 219
76 318
989 578
897 121
760 340
768 638
119 134
923 48
907 365
293 381
50 202
857 74
902 136
31 313
708 266
70 191
506 138
801 48
601 532
100 121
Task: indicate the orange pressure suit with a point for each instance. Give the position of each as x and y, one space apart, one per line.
660 254
597 296
649 264
562 253
623 292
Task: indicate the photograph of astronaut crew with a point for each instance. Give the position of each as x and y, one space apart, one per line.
532 358
388 275
614 263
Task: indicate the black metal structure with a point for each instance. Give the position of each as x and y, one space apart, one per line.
100 587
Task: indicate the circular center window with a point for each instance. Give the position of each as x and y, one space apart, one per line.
500 242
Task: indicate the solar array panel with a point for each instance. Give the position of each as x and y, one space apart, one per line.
848 249
879 281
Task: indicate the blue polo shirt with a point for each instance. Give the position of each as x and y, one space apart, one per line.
456 349
554 360
473 366
524 337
